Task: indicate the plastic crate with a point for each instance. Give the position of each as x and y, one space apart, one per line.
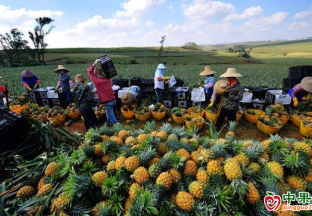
135 81
277 96
306 71
108 67
121 82
295 72
182 103
290 82
168 103
147 82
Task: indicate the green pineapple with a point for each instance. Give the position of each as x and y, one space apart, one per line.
89 150
146 156
298 163
167 127
154 170
104 130
144 204
150 126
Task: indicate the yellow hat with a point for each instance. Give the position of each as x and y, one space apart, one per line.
59 68
207 71
231 72
220 86
306 84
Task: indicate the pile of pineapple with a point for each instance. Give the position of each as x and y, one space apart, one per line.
170 171
159 108
22 100
141 110
179 112
72 108
272 116
100 112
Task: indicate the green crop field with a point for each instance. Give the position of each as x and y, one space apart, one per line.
182 63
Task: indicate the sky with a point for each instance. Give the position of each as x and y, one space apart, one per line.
116 23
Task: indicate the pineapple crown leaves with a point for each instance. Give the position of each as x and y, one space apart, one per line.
298 163
110 186
177 162
178 131
259 209
105 130
219 198
235 147
217 180
144 204
167 127
118 127
218 150
188 148
203 208
104 210
77 209
172 144
279 146
88 167
108 147
269 184
150 126
253 152
239 187
232 125
77 157
126 150
88 150
116 203
146 156
92 136
290 140
77 186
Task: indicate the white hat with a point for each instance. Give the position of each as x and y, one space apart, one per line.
231 72
161 66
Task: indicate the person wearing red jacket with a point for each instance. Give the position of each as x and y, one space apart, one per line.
104 90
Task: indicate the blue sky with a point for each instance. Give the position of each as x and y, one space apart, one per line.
112 23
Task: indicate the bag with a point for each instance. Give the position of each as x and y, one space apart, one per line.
108 67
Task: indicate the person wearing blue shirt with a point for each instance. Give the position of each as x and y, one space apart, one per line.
208 83
30 80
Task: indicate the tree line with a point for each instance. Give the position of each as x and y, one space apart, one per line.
15 50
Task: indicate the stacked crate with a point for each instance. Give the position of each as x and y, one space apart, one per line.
296 74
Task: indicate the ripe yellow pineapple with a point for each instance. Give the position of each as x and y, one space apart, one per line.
232 169
253 193
242 159
297 183
154 133
60 202
190 168
96 208
97 150
254 167
173 136
130 141
25 191
265 144
116 139
131 163
202 176
51 169
105 138
123 134
153 161
196 189
220 140
276 168
128 204
185 140
45 189
183 153
141 138
165 179
133 190
195 155
247 143
105 158
185 200
98 178
140 175
308 178
176 175
120 162
194 140
206 155
214 167
40 183
111 166
162 135
301 146
162 148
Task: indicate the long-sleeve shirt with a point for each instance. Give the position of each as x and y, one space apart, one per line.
208 84
103 86
65 82
30 81
297 91
82 96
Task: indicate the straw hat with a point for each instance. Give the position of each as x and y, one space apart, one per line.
27 73
80 78
207 71
161 66
59 68
306 84
231 72
220 86
127 98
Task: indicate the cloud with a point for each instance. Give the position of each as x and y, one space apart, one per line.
137 7
303 15
149 23
297 26
202 12
248 13
171 7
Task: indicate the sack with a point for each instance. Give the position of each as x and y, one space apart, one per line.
108 67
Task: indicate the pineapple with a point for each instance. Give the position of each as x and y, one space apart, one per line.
97 206
128 204
232 169
131 163
194 140
301 146
59 203
206 155
190 168
308 178
140 175
247 143
173 136
195 155
41 183
133 190
166 127
25 191
154 170
185 200
242 159
153 161
123 134
130 141
276 169
266 145
202 176
185 140
232 128
264 157
97 150
162 135
45 189
176 175
254 167
162 148
105 138
111 166
253 194
165 179
297 183
105 158
141 138
150 127
196 189
116 139
154 133
214 167
120 162
51 169
98 178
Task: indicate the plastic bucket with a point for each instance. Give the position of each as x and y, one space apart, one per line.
127 114
191 111
210 116
296 120
143 117
305 131
253 118
58 120
191 125
16 108
74 115
158 116
239 117
267 129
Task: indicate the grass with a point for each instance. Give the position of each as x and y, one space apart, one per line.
182 63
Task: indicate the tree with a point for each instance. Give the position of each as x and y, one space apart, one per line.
15 48
38 37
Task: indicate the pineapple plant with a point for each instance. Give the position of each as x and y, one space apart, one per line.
51 169
196 189
131 163
45 189
253 194
214 167
120 162
232 169
165 179
202 176
176 175
98 178
185 200
141 175
232 127
190 168
25 192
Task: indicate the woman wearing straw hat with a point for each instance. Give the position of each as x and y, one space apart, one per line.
159 84
83 97
234 93
64 82
132 95
209 82
301 90
30 80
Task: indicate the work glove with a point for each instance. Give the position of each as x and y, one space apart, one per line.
295 102
56 89
166 78
35 86
211 104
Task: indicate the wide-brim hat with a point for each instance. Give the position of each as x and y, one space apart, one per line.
27 73
127 98
59 68
220 86
231 72
80 78
306 84
161 66
207 71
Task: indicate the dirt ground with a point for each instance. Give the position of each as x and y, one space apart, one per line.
244 130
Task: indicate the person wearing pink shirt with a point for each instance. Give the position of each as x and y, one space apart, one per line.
104 90
301 90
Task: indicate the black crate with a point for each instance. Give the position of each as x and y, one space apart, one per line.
45 102
295 72
168 103
182 103
109 70
180 82
33 95
306 71
290 82
258 92
147 82
147 89
135 81
122 83
168 95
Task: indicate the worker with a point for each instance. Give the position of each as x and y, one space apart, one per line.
159 84
233 94
104 90
83 97
30 80
3 92
131 96
2 88
208 83
301 90
64 82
